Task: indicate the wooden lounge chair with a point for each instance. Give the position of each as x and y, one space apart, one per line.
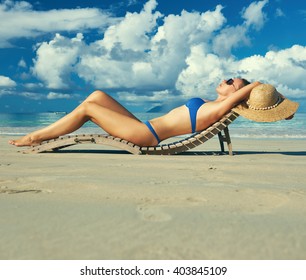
164 149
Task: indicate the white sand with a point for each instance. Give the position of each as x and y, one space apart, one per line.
92 204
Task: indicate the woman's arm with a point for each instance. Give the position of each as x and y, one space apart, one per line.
236 97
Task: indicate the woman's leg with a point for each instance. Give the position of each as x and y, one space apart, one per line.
119 125
115 120
72 121
67 124
101 98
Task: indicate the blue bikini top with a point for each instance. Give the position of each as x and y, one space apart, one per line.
194 105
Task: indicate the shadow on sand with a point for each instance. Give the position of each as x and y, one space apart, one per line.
187 153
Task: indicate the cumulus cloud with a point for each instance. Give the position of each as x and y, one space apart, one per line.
283 67
202 71
254 15
7 82
20 19
55 60
230 38
136 52
132 32
161 57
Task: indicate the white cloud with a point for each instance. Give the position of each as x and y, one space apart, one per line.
155 96
230 38
7 82
279 13
32 95
189 52
201 71
42 96
131 32
56 95
147 61
283 67
253 14
5 91
55 60
22 63
19 19
25 76
33 86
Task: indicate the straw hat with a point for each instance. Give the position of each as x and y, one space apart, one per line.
266 104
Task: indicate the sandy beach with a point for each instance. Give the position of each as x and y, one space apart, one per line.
93 202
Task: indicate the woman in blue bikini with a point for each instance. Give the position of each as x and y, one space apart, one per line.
116 120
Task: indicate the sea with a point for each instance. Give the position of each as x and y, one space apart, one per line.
23 123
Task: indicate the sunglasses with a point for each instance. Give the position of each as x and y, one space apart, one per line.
230 82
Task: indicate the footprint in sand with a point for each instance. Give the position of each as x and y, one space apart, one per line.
152 211
153 214
5 164
6 190
195 201
261 201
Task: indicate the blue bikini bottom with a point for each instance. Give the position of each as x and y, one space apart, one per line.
147 123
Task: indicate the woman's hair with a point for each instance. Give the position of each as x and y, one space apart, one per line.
245 82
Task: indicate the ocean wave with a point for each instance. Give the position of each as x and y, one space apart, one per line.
268 136
21 124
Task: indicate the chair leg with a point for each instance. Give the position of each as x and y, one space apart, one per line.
228 141
226 138
221 140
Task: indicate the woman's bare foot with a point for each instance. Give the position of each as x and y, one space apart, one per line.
27 140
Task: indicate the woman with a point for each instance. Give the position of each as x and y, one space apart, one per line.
112 117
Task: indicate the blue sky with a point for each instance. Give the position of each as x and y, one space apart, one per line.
146 53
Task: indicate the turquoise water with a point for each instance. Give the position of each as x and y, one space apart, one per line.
19 124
